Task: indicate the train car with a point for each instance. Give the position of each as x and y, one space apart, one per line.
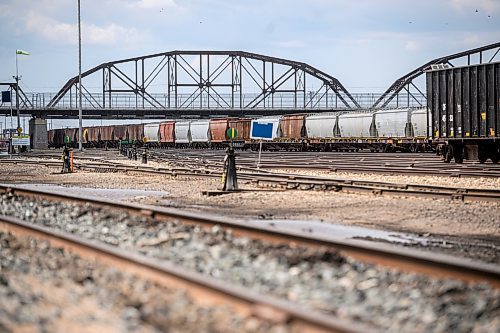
321 130
200 133
391 128
135 133
242 127
355 131
465 111
356 125
274 121
396 128
119 132
419 125
93 135
257 129
58 138
152 135
292 127
218 132
73 136
321 126
167 133
182 134
50 138
293 132
84 136
106 134
391 123
382 130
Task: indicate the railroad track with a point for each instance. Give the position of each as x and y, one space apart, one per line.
417 164
206 289
285 181
442 267
405 164
415 261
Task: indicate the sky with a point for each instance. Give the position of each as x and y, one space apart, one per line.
365 44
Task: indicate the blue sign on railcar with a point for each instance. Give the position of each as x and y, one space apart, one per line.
262 131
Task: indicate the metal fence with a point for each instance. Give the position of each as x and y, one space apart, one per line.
39 101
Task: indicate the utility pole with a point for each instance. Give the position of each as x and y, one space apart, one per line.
80 137
17 78
17 93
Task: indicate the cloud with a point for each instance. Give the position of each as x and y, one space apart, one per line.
471 40
5 10
290 44
65 33
411 46
154 4
489 6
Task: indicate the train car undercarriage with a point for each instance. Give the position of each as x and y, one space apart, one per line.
472 149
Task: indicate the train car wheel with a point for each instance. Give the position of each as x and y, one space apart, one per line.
458 155
482 156
496 157
448 155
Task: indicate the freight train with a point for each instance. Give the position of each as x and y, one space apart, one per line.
464 105
461 121
403 129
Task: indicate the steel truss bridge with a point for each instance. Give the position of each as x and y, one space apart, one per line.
220 83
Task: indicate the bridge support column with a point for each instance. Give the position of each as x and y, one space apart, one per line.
38 133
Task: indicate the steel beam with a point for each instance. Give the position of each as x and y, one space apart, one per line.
237 71
399 85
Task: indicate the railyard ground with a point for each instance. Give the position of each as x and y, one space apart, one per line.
470 229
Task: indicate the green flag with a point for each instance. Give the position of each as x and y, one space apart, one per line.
22 52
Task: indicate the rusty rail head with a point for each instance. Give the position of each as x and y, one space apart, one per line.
204 289
304 182
437 265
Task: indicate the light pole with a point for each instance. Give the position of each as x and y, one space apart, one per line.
17 95
80 147
17 86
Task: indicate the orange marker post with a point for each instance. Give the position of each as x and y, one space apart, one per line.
71 161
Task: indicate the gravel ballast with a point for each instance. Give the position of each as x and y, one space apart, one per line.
324 280
469 229
46 289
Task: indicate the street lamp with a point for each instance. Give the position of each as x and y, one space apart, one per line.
17 87
80 147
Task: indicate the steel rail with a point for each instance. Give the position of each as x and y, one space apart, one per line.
292 181
375 163
414 261
387 169
301 182
361 163
204 289
407 168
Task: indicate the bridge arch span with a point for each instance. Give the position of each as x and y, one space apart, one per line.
209 81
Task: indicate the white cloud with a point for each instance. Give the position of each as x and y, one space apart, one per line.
290 44
65 33
156 4
471 40
5 10
411 46
489 6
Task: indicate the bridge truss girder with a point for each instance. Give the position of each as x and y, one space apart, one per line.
24 101
231 80
405 84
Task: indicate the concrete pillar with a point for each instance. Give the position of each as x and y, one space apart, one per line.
38 133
